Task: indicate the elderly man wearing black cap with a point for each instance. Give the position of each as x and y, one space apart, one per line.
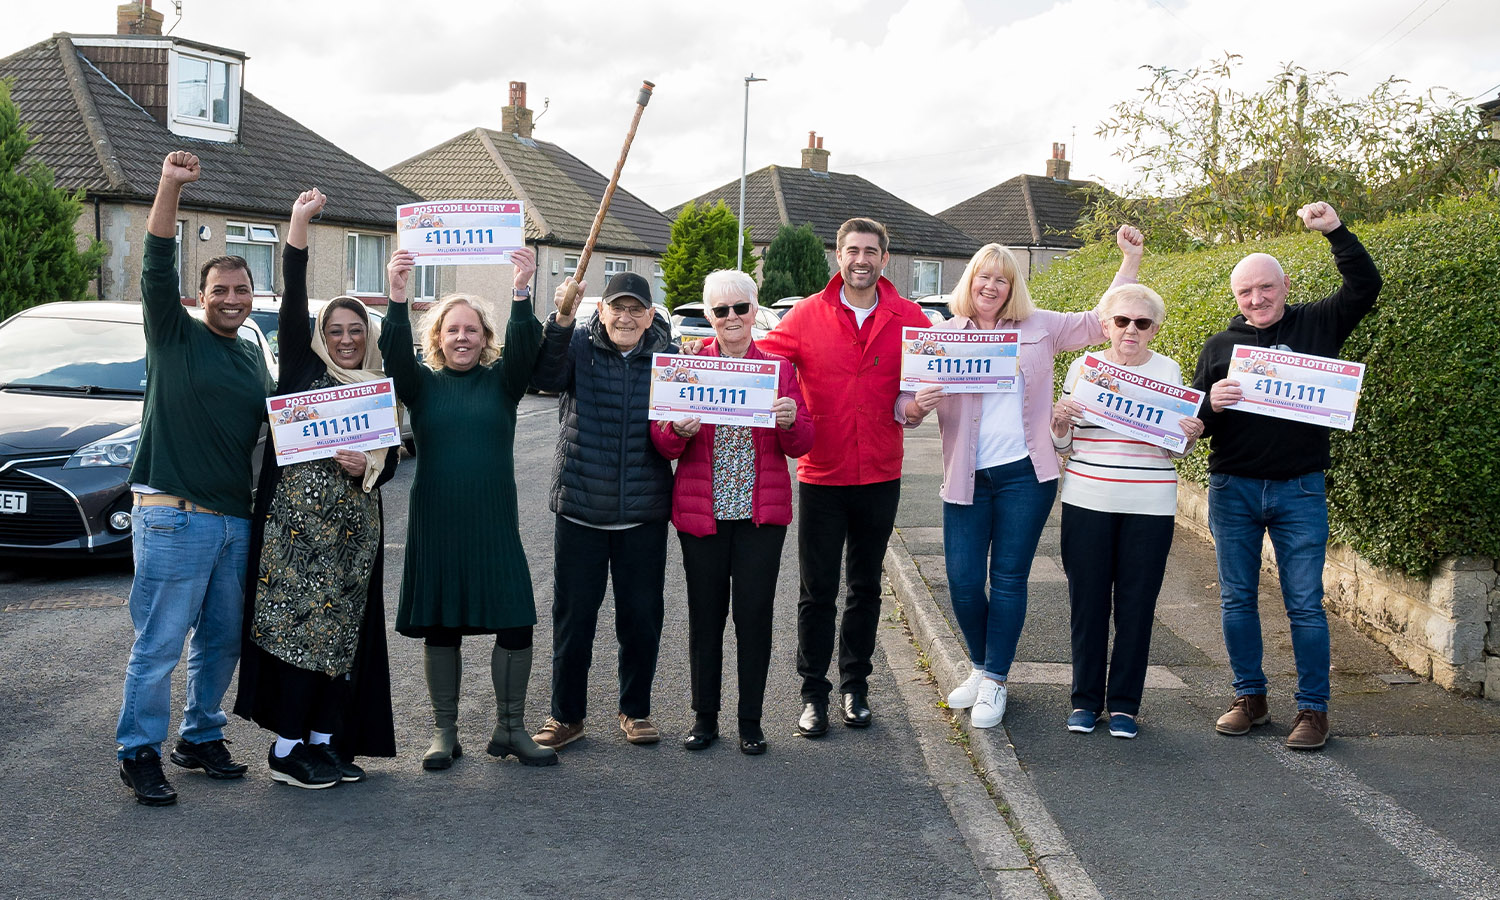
612 493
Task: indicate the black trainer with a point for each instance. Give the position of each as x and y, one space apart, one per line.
347 770
304 767
210 756
142 773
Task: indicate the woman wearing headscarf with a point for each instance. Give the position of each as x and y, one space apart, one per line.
313 667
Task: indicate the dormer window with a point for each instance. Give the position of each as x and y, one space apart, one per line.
205 89
202 89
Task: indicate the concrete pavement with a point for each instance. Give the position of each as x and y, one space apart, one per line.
1401 804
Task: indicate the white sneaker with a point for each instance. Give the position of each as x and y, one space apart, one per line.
963 696
989 706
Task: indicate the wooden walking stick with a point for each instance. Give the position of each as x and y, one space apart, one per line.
570 297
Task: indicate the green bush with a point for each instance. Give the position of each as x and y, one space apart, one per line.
1416 480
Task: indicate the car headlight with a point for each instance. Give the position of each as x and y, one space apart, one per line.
116 450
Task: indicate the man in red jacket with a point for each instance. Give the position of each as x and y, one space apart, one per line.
846 345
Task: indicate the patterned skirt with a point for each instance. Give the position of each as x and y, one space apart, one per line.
321 536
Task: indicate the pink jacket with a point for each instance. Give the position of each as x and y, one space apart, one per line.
771 499
1043 335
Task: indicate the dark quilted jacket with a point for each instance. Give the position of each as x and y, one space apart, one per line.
607 472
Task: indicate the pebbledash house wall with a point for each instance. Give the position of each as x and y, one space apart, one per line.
1445 627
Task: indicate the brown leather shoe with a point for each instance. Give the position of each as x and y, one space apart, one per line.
1309 730
1248 710
639 731
555 734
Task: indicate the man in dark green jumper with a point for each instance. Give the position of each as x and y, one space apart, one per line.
205 402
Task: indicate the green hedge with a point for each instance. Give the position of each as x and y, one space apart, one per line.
1417 479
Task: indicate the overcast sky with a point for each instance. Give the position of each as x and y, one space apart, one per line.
933 100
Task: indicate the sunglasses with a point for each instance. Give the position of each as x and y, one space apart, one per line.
1140 324
722 312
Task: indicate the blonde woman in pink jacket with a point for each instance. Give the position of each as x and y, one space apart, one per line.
999 468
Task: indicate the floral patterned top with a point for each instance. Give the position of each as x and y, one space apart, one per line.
734 472
322 533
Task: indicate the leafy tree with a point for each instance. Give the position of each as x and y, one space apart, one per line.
39 256
796 264
704 239
1216 163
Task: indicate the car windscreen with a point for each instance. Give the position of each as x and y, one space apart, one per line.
73 354
270 323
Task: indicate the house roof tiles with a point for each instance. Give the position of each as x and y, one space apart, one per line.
1024 211
59 92
779 195
561 193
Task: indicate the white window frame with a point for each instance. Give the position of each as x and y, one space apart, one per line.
424 283
614 266
658 282
933 265
352 271
256 235
201 127
570 265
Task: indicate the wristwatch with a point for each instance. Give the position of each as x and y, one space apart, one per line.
522 294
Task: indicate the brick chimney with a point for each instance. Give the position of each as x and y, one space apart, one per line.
516 118
813 155
137 18
1057 166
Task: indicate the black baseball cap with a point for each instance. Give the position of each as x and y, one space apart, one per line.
628 284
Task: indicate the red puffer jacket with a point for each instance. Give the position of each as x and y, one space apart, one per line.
771 499
850 378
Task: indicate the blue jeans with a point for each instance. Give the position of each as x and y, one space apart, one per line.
1295 514
189 576
997 536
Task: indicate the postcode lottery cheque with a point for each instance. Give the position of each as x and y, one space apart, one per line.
313 424
461 232
718 390
963 362
1131 404
1300 387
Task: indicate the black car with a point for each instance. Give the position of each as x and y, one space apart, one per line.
72 388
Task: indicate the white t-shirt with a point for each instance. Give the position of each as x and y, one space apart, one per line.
860 313
1002 434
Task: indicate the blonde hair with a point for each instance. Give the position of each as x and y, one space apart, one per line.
1018 305
1124 293
432 338
728 283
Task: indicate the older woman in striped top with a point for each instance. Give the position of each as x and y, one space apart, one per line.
1119 498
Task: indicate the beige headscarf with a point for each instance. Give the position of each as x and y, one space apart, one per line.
371 370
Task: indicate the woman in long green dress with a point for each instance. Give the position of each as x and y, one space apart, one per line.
465 571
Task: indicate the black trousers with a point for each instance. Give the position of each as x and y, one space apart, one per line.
734 568
834 519
306 701
584 560
1115 562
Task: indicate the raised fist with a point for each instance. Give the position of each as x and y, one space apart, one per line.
180 167
309 204
1130 240
1319 216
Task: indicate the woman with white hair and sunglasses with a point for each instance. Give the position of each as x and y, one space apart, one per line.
731 504
1119 502
999 467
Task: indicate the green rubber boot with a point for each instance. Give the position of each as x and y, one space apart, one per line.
442 666
511 672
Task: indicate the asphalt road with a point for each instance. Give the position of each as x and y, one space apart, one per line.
1401 804
855 814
